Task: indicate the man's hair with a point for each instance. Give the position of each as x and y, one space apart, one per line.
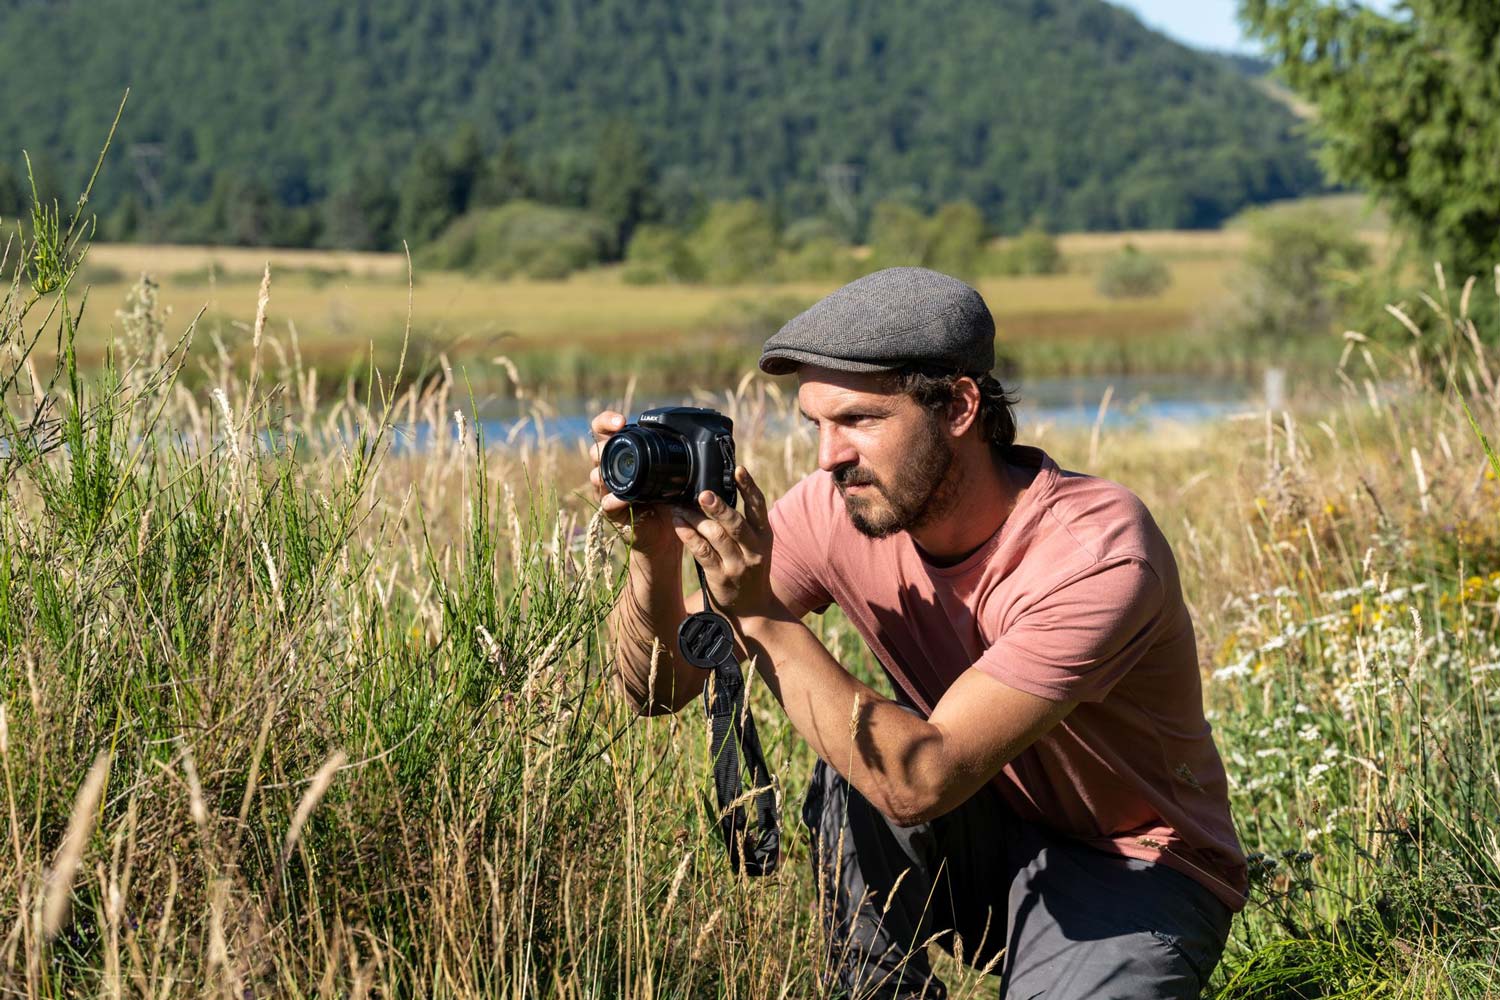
934 390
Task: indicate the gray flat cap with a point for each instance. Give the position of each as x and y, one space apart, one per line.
886 320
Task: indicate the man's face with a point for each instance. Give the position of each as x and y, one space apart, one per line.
891 460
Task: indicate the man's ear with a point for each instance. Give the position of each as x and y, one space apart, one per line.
963 410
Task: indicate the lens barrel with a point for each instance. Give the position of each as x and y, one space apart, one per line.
645 464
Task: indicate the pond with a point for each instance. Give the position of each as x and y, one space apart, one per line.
1133 400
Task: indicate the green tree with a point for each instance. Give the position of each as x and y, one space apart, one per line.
466 164
898 235
505 177
955 240
127 222
12 193
1406 108
427 196
361 213
1303 269
620 189
242 212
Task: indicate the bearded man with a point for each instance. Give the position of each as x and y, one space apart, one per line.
1043 795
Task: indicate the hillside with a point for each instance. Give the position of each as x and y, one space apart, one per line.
1068 112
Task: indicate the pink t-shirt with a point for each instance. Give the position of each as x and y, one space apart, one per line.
1075 597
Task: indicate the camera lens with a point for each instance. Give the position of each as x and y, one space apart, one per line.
645 464
624 463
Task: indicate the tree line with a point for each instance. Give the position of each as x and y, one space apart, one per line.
359 125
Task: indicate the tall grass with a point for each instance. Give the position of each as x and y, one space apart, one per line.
350 699
290 708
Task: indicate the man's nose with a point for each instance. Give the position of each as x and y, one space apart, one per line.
834 449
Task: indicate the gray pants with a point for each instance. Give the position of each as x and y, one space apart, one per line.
1066 920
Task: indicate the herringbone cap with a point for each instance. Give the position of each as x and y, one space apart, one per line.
886 320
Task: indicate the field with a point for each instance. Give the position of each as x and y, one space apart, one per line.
288 711
593 330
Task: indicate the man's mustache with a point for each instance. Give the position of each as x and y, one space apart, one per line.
853 475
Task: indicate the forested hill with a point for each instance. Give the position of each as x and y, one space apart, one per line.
1064 112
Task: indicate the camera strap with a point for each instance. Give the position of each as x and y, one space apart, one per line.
707 642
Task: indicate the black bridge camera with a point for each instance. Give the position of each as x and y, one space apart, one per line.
670 456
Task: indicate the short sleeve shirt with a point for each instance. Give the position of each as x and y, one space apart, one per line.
1075 597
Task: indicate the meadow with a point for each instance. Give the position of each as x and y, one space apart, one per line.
292 709
586 334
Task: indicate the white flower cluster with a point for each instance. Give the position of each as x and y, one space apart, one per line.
1330 638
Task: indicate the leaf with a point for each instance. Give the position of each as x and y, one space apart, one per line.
1484 442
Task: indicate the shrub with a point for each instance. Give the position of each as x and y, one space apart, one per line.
952 240
1035 251
955 239
1131 274
822 258
659 253
521 238
1303 271
736 242
812 229
752 320
898 235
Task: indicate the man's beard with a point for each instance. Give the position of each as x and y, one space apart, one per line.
917 494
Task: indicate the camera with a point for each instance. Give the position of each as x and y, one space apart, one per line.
670 455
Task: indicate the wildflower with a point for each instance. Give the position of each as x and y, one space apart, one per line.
1240 668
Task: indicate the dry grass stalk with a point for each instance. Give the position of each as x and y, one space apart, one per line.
310 799
65 864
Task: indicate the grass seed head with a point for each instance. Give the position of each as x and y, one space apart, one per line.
65 865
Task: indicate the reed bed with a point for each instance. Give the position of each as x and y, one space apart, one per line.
292 707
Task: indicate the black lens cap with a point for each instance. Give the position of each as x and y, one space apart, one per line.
705 640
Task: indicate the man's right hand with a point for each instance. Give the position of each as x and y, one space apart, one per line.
651 523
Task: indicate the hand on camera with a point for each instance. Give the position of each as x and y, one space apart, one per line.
651 524
734 549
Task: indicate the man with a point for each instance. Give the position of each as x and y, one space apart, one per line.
1045 796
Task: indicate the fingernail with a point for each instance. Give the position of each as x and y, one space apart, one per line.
709 501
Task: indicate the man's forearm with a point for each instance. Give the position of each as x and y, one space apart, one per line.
645 620
892 756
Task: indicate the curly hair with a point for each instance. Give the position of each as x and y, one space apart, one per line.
934 390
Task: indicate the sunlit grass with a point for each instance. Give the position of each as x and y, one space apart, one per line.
354 700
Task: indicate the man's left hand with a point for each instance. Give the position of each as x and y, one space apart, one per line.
734 549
